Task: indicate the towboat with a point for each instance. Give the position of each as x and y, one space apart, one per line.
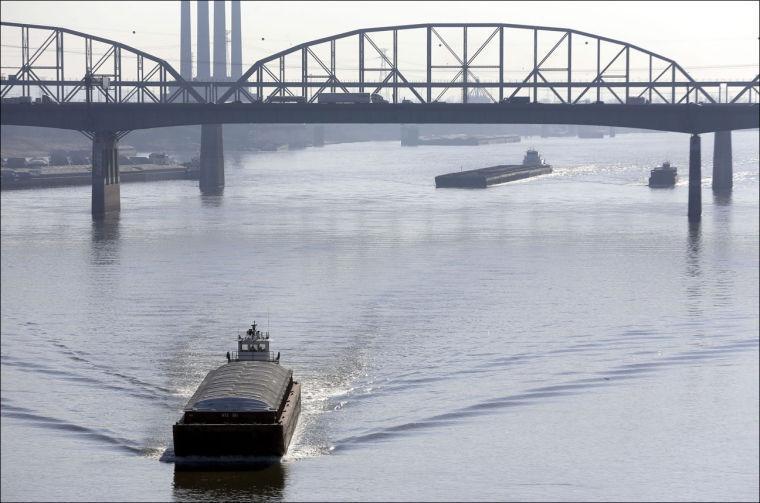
533 160
246 407
663 176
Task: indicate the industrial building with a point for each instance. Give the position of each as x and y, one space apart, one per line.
206 68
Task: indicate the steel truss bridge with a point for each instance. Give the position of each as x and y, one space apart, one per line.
430 73
421 63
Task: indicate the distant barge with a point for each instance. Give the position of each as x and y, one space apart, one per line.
82 175
247 407
466 140
532 165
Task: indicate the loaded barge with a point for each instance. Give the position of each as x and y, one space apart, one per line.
532 165
466 140
247 407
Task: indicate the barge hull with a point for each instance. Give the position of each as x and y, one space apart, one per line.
494 175
662 182
240 439
661 185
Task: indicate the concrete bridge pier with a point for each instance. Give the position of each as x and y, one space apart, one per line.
410 135
695 178
106 192
212 159
723 169
319 136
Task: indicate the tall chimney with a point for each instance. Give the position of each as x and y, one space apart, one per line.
220 42
237 46
185 52
203 54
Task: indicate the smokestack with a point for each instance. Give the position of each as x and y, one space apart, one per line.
220 42
237 46
202 57
185 52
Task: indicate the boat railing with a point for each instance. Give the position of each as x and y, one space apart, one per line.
253 355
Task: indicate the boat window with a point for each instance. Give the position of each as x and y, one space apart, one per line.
244 347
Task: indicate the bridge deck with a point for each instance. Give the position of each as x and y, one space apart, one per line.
685 118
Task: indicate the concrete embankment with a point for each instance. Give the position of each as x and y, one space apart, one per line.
62 176
493 175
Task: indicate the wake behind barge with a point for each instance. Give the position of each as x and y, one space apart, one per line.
247 407
532 165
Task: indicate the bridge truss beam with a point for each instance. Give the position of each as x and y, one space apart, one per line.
426 63
64 66
565 66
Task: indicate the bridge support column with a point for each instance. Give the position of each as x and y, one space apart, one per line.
723 169
695 178
106 192
212 159
319 135
410 135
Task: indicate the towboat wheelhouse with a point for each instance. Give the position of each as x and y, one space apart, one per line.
532 159
254 346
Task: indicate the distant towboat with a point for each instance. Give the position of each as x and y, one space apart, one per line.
663 176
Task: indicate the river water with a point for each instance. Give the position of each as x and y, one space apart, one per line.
566 337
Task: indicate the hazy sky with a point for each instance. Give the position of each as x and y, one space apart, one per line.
706 38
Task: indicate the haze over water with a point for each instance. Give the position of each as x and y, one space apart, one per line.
564 337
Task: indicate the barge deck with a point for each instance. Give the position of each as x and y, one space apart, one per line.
533 165
484 177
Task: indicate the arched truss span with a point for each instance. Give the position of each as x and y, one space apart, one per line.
476 62
65 65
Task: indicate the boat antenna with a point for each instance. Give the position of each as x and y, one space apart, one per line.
267 320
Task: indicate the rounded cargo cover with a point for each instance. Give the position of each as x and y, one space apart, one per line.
245 386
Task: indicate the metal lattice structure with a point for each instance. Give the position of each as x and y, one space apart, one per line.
63 65
500 60
424 63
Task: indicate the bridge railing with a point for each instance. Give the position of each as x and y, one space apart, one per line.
210 92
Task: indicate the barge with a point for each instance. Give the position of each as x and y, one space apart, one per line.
532 165
664 176
52 176
466 140
248 407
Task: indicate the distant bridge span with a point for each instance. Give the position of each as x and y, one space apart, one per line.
429 71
